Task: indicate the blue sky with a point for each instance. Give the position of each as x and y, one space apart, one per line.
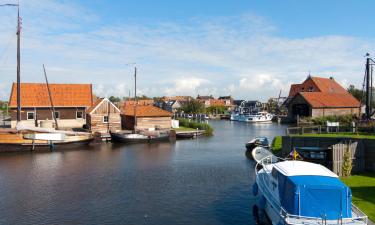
248 49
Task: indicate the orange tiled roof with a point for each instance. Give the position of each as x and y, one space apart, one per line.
140 102
318 84
63 95
216 102
330 100
145 111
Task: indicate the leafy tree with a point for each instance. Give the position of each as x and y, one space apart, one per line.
216 110
194 107
114 99
347 165
358 94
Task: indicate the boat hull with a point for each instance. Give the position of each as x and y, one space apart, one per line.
123 138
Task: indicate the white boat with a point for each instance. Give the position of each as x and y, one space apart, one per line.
297 192
259 153
260 117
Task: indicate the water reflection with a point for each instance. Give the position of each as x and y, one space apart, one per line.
203 181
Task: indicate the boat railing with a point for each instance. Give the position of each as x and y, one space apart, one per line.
296 219
267 161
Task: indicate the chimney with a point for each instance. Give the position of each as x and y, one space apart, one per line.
331 78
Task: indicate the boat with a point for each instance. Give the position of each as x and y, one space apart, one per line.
125 137
259 153
260 117
185 135
257 141
298 192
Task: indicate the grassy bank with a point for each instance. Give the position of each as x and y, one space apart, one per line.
181 128
339 135
277 144
195 125
363 190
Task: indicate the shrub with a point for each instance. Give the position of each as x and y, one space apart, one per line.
196 125
277 144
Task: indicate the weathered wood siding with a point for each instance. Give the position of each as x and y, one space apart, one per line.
95 120
146 122
334 111
357 155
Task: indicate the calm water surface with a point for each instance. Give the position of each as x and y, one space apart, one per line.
204 181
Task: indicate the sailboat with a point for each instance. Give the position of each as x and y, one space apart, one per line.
138 136
31 138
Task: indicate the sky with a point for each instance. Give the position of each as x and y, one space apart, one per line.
250 49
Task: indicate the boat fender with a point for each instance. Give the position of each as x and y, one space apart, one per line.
255 189
262 203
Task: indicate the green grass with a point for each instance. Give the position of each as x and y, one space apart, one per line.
208 130
363 190
277 144
181 128
348 135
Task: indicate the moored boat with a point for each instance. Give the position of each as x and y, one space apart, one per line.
297 192
260 117
257 141
125 137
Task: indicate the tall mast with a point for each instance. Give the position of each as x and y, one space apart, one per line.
368 89
50 98
135 97
18 65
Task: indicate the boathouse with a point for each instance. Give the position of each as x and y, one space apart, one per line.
318 96
148 117
103 117
70 103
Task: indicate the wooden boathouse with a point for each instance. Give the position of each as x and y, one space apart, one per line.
148 117
103 117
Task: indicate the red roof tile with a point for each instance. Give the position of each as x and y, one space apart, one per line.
63 95
146 111
330 100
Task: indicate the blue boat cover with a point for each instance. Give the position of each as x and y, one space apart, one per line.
315 196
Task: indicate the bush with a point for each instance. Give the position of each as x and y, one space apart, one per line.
345 121
277 144
201 126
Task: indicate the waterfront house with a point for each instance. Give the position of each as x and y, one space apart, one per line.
318 96
70 102
103 117
228 100
148 117
172 106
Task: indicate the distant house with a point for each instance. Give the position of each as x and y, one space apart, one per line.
70 102
228 100
148 117
177 98
318 96
140 102
103 117
172 106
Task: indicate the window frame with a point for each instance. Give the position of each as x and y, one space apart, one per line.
77 115
104 119
54 116
30 112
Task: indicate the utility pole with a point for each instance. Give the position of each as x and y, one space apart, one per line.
135 97
368 87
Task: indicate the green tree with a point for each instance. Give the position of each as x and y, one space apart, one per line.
193 106
216 110
114 99
358 94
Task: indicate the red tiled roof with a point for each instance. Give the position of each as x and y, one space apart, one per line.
140 102
216 102
328 85
318 84
145 111
330 100
63 95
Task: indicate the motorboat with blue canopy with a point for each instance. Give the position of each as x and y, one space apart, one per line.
298 192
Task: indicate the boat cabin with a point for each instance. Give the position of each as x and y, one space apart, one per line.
310 190
103 117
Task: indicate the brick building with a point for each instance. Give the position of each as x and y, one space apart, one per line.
70 102
318 96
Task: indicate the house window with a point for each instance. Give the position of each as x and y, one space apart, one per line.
57 114
311 88
105 119
30 115
79 115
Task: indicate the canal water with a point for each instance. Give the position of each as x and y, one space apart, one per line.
203 181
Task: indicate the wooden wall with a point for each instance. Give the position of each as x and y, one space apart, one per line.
95 119
144 123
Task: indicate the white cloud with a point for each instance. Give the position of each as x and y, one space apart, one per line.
239 55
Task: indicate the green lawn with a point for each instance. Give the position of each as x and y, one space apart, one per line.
363 190
348 135
181 128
